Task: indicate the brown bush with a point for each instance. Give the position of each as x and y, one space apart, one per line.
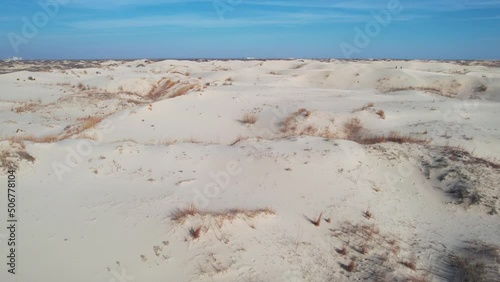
249 119
365 107
229 214
381 114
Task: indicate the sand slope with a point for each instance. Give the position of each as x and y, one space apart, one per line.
110 155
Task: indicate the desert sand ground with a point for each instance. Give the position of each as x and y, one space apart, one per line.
278 170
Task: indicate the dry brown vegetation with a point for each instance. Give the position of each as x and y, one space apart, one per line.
228 81
381 114
195 233
367 214
82 87
249 119
475 261
34 139
351 266
365 107
353 128
355 132
238 140
90 122
180 215
434 90
290 123
372 254
304 112
317 222
342 251
29 106
182 90
410 263
160 89
86 123
15 153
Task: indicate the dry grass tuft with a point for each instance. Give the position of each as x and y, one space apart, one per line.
180 215
354 132
90 122
392 137
342 251
395 249
289 125
317 222
304 112
160 89
195 233
367 214
30 106
249 119
31 138
353 128
83 87
351 267
363 249
365 107
228 81
381 114
182 90
238 140
11 157
411 263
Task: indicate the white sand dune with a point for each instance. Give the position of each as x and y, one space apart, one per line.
400 159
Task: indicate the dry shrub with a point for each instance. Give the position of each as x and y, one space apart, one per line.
476 261
342 251
368 214
228 81
249 119
395 249
411 263
195 233
456 153
289 125
180 215
90 122
82 87
160 89
309 130
354 132
381 114
353 128
34 139
317 222
434 90
29 106
304 112
182 90
238 140
10 158
392 137
351 266
365 107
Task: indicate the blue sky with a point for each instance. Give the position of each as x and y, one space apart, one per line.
99 29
